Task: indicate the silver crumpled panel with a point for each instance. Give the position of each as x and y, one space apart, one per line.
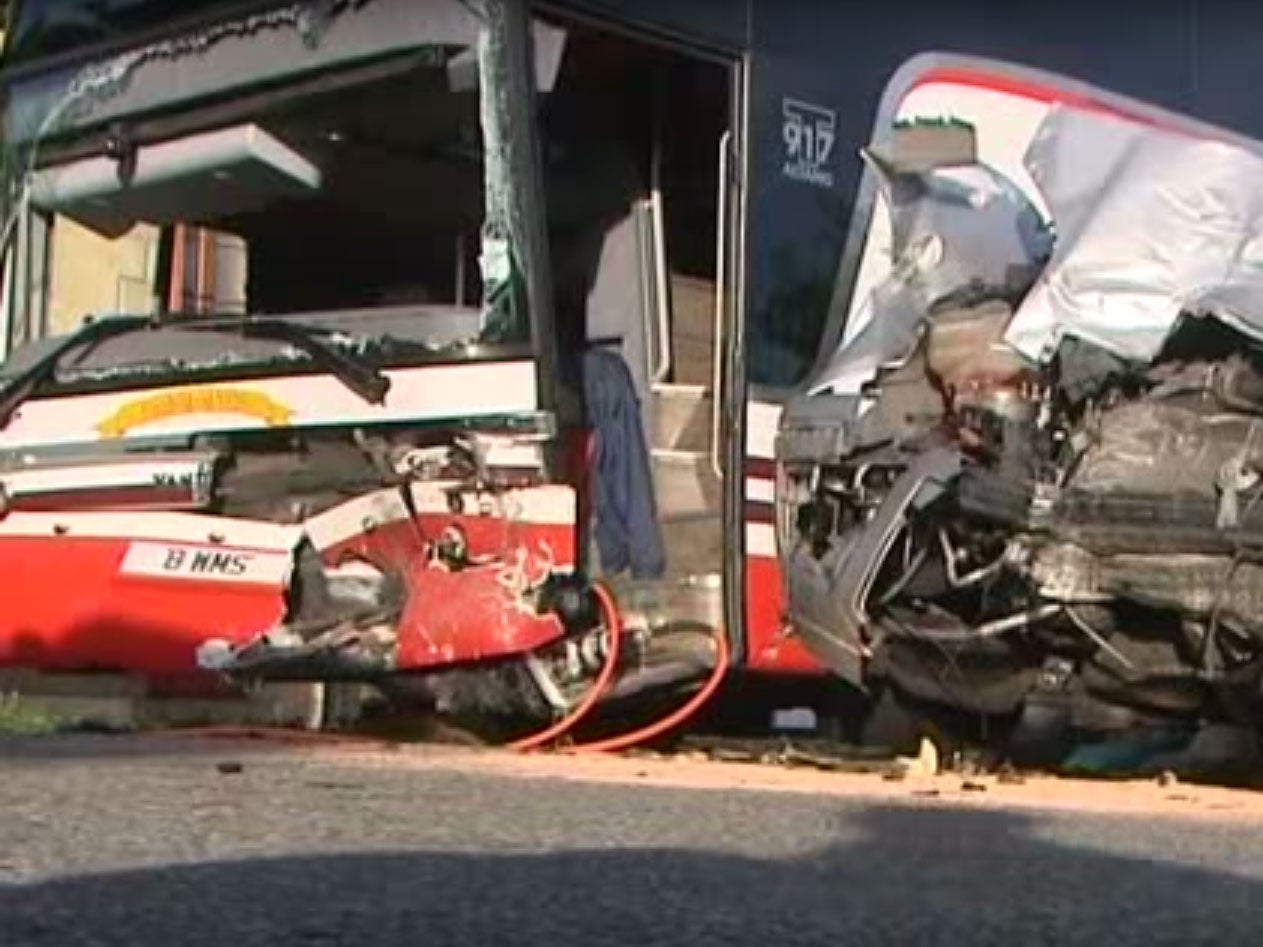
952 226
1150 224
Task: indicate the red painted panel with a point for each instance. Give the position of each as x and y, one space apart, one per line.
769 648
64 606
477 613
472 615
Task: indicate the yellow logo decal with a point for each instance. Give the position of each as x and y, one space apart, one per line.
182 401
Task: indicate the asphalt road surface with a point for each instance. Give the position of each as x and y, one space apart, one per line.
123 842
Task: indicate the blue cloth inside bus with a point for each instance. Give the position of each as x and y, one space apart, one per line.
626 528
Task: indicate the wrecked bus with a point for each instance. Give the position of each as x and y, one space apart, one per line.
428 335
1023 485
455 343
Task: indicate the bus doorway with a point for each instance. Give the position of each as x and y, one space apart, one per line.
635 136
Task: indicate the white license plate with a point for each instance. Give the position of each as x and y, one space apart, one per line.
206 563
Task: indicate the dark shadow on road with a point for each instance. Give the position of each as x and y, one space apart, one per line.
891 876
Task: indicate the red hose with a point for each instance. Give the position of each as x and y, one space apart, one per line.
614 625
659 727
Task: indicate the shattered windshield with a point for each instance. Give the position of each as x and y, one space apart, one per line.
39 28
368 207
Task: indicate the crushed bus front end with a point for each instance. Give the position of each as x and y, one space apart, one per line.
1025 483
325 435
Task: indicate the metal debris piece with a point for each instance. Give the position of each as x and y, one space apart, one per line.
1008 776
927 762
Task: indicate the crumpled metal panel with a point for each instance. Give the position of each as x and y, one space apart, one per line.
952 226
1150 224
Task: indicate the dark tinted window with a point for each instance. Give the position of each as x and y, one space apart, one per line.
42 28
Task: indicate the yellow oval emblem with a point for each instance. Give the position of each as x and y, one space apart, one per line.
186 401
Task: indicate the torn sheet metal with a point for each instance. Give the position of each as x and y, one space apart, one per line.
472 564
1150 224
952 226
474 596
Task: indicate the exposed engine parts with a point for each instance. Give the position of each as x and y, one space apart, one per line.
1126 536
973 528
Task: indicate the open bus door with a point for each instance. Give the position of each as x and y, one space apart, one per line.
640 140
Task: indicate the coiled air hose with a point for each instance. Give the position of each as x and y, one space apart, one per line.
723 656
613 622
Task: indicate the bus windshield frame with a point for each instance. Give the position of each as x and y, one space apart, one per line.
496 255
